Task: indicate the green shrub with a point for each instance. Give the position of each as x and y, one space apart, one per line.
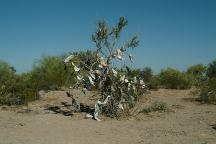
14 89
147 74
198 72
208 86
211 70
154 83
174 79
133 72
6 82
48 73
6 73
208 91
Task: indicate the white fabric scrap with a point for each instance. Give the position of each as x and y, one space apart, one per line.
92 75
129 86
76 69
100 66
79 78
120 106
105 101
122 78
91 81
68 59
135 79
97 72
132 98
89 116
97 107
142 83
126 80
119 54
115 73
134 88
84 90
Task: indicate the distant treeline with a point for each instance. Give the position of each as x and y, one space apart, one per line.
48 73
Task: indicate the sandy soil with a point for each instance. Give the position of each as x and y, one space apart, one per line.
186 122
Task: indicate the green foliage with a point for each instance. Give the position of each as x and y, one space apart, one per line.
147 74
211 70
85 59
154 83
208 91
174 79
6 79
198 72
48 73
6 73
14 88
106 39
208 87
132 72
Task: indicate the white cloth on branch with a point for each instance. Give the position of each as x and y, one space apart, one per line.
115 73
68 59
97 107
76 69
119 54
91 80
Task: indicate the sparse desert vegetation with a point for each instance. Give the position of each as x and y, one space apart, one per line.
51 102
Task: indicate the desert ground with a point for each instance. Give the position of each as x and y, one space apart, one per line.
186 121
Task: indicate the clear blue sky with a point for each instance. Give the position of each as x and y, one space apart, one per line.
174 33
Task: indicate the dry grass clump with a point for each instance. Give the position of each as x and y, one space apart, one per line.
157 106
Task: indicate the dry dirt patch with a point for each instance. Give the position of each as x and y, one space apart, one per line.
188 123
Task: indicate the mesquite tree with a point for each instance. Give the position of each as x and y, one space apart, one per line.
118 90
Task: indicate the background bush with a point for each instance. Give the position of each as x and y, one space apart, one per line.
208 87
48 73
208 91
14 89
174 79
152 81
154 84
198 73
147 74
211 69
